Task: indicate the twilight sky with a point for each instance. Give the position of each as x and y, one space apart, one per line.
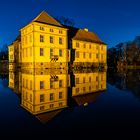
114 21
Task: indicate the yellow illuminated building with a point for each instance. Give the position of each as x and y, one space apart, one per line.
45 43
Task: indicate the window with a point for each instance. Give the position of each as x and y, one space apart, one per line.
89 88
84 79
77 90
51 105
102 56
30 97
51 53
51 39
41 38
30 84
102 48
41 84
77 54
30 38
30 51
51 84
42 28
60 104
41 52
60 40
26 52
97 56
26 83
89 55
60 83
42 107
84 89
84 55
42 98
90 46
77 45
60 95
97 78
51 30
84 45
89 79
97 47
60 32
60 53
51 96
26 40
23 83
77 80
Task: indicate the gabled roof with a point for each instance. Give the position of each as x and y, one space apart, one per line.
83 35
44 17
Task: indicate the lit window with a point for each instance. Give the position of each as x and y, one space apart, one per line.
51 96
60 53
41 38
41 84
51 39
42 98
41 52
60 40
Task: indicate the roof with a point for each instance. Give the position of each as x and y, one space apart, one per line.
45 18
83 35
86 98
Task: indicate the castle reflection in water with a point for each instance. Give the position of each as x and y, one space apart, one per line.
45 93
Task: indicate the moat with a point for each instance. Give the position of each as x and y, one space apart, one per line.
63 108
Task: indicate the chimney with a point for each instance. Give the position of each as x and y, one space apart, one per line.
86 29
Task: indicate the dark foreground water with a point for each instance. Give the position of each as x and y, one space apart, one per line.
111 113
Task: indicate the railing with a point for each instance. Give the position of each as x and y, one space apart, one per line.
54 58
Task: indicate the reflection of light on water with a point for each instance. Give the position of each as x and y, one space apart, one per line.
45 93
85 104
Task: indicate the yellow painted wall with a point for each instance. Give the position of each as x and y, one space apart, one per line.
89 48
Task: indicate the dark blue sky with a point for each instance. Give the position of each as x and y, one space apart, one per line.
113 20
